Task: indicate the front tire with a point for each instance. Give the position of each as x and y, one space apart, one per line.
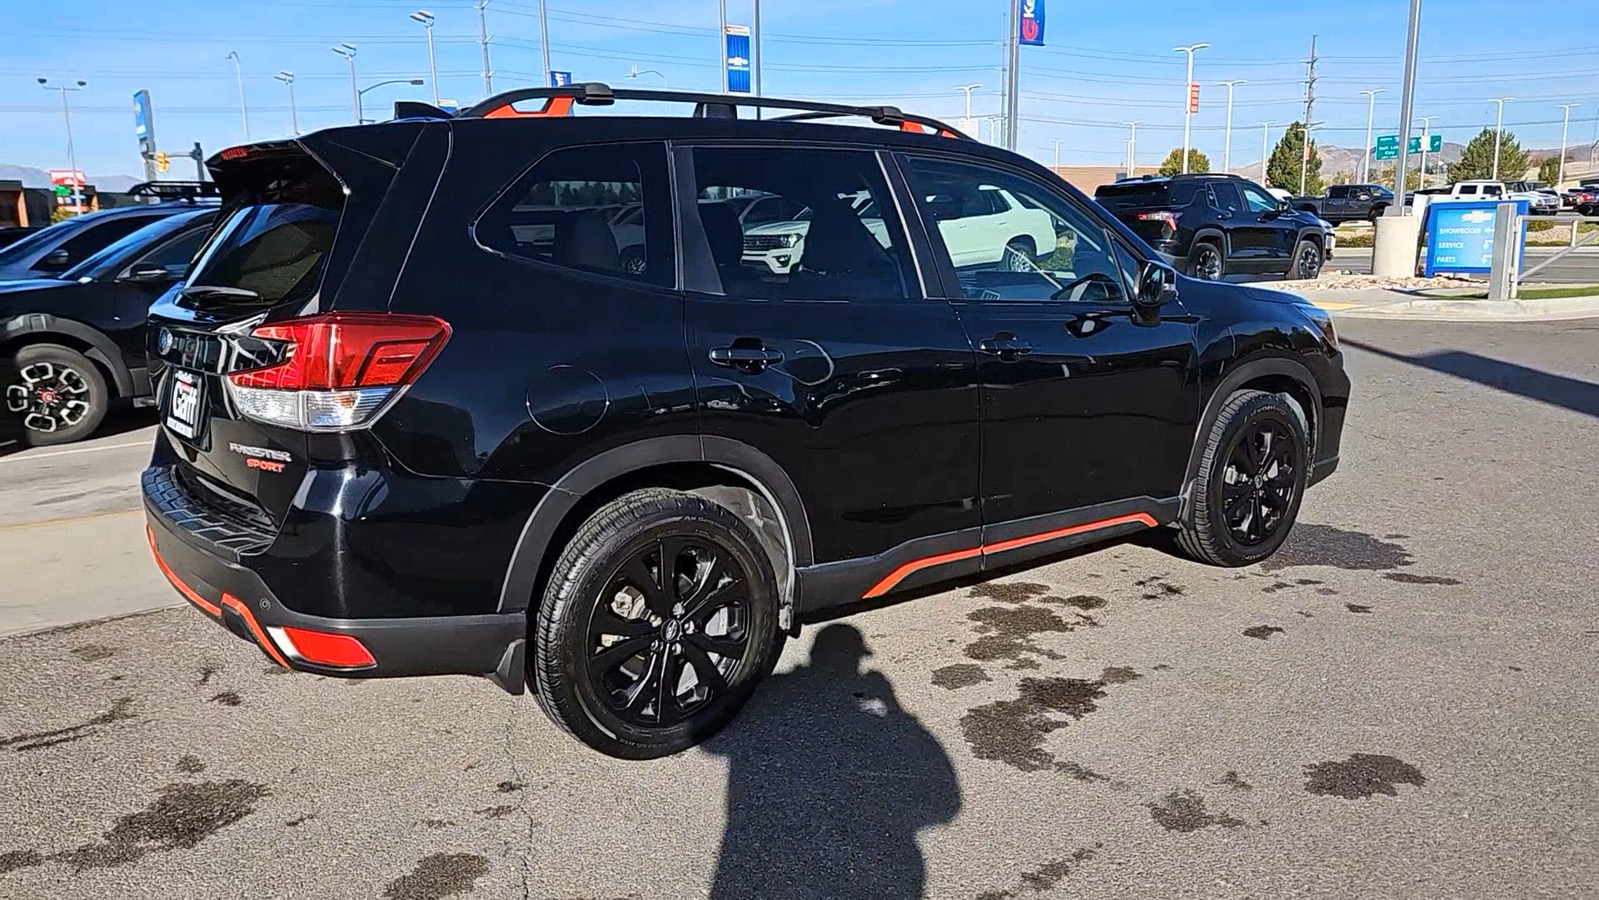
1251 479
1308 261
58 393
660 617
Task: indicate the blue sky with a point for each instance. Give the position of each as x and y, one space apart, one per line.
1105 63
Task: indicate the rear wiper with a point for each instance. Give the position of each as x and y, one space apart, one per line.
216 290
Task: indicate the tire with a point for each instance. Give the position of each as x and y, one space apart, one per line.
60 395
1020 254
609 561
1376 213
1307 261
1207 262
1206 531
633 262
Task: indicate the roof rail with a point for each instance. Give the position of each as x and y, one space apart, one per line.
558 101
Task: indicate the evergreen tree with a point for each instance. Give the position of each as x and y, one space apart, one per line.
1385 177
1549 170
1283 169
1477 160
1173 165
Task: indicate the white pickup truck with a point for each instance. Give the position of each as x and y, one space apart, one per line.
1538 202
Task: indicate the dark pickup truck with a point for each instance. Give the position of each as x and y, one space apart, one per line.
1348 203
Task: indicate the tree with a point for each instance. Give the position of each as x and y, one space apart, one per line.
1477 160
1385 177
1549 170
1197 162
1287 157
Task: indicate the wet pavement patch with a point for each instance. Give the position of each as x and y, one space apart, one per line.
1276 586
1010 592
180 818
506 787
295 823
1357 608
1185 810
1045 877
496 812
228 698
1262 632
1407 578
1119 674
190 764
12 860
205 675
1007 632
1013 731
960 675
1079 771
92 652
1232 780
1156 587
438 876
1362 775
41 739
436 823
1324 545
1084 602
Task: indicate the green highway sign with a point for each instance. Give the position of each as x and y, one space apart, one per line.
1387 147
1435 143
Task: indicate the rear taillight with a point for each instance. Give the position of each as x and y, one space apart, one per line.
1169 218
338 370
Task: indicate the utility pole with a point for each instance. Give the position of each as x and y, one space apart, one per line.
483 39
1227 150
1426 136
1310 104
72 152
1371 111
426 19
238 74
544 38
1407 99
721 47
1499 130
755 55
1132 149
348 52
1012 74
1564 127
1188 97
1057 156
294 117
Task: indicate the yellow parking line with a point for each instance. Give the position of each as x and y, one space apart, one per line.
70 520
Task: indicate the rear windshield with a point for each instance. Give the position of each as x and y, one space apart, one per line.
1126 196
273 238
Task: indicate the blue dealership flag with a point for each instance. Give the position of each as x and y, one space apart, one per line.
1031 30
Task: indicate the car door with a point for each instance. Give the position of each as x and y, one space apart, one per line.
144 280
1249 237
1088 406
1279 232
840 368
1337 205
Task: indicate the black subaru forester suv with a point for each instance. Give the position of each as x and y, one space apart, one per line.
418 416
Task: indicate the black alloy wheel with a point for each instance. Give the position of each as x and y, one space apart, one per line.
1260 482
1307 261
57 393
1207 264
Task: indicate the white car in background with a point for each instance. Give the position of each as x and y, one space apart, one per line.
778 246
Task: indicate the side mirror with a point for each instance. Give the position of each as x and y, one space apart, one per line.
58 258
1157 283
146 273
1362 196
1283 206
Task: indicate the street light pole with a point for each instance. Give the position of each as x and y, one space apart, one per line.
1407 100
483 40
1426 137
1057 156
635 72
544 38
1265 151
362 92
967 90
1188 106
348 52
1371 112
426 18
1227 151
294 117
238 75
72 152
1565 127
1499 130
1132 149
721 47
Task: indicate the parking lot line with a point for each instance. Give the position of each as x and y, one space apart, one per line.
54 453
69 520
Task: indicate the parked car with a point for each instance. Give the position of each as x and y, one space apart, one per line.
57 248
1540 201
12 233
78 339
1584 199
1348 203
1211 226
398 439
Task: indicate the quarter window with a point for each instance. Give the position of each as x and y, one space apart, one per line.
602 210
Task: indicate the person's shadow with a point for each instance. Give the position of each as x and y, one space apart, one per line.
829 782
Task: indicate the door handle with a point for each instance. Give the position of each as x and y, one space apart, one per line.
1005 346
745 359
1224 215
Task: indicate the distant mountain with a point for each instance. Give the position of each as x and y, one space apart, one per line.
40 178
1342 164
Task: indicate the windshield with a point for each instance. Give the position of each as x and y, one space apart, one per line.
31 244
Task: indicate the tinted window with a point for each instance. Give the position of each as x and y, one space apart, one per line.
174 256
1491 190
97 237
1126 195
1227 197
563 212
841 246
1338 192
1257 199
1051 248
274 240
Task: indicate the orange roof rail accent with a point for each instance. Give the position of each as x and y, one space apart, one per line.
917 128
554 106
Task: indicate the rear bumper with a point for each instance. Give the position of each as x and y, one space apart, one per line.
234 596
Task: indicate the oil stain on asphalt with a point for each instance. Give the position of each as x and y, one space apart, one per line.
1262 632
13 860
1357 608
1362 775
1185 810
1009 591
180 818
1324 545
228 698
439 876
1045 877
1008 632
41 739
1407 578
959 675
1013 731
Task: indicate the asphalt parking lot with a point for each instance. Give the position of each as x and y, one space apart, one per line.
1400 704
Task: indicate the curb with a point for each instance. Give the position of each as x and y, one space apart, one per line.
1483 311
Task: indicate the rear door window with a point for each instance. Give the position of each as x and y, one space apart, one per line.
563 212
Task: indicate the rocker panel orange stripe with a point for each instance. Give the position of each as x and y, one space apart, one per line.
904 571
187 592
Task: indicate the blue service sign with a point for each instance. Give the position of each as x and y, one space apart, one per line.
560 79
1031 29
737 59
1460 236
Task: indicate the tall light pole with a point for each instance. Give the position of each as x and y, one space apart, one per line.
426 18
1499 130
362 92
1371 112
1565 126
967 90
1407 101
483 39
348 52
721 47
544 38
72 153
1132 149
238 75
1426 138
1188 88
635 72
1265 151
1057 155
294 117
1227 150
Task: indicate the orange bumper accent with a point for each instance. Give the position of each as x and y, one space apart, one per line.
214 610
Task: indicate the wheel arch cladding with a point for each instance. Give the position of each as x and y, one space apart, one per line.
1212 236
1274 375
42 328
727 472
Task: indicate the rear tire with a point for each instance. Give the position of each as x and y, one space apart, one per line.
1236 517
1207 262
1019 253
656 589
58 393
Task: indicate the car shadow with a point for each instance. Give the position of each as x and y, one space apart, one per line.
1565 392
830 781
117 422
